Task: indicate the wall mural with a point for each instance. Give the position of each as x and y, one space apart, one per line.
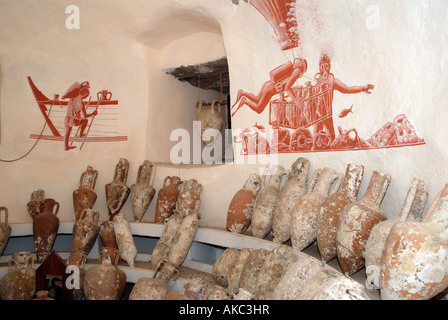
75 122
302 115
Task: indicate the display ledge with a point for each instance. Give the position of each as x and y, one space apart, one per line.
214 237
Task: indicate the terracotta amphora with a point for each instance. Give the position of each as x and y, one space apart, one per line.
166 198
84 197
36 205
45 229
85 231
412 210
306 211
107 234
221 267
5 230
356 222
252 268
235 270
142 192
330 285
328 218
149 289
296 185
209 117
20 282
125 241
239 214
105 281
266 201
189 197
78 260
296 275
273 269
414 265
163 245
117 192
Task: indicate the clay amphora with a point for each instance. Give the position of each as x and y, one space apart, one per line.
235 270
239 214
195 289
105 281
125 241
357 220
84 197
45 229
142 192
209 117
165 242
414 264
184 238
107 234
294 187
5 230
329 285
85 231
20 282
189 197
221 267
78 259
306 211
166 198
243 294
331 208
274 267
293 281
117 191
412 209
149 289
265 202
252 268
36 205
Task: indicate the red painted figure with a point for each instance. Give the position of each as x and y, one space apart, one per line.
76 111
325 77
282 80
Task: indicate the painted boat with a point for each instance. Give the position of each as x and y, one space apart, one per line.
103 129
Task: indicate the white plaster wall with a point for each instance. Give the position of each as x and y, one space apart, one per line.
119 47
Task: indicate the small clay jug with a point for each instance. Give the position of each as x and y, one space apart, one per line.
266 201
273 269
331 208
20 282
84 197
166 198
105 281
78 259
235 270
252 268
142 192
239 214
163 245
412 209
85 231
45 229
125 241
414 264
117 191
221 267
357 220
36 205
306 210
189 197
107 234
209 117
5 230
296 186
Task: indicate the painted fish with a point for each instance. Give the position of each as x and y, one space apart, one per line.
345 112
